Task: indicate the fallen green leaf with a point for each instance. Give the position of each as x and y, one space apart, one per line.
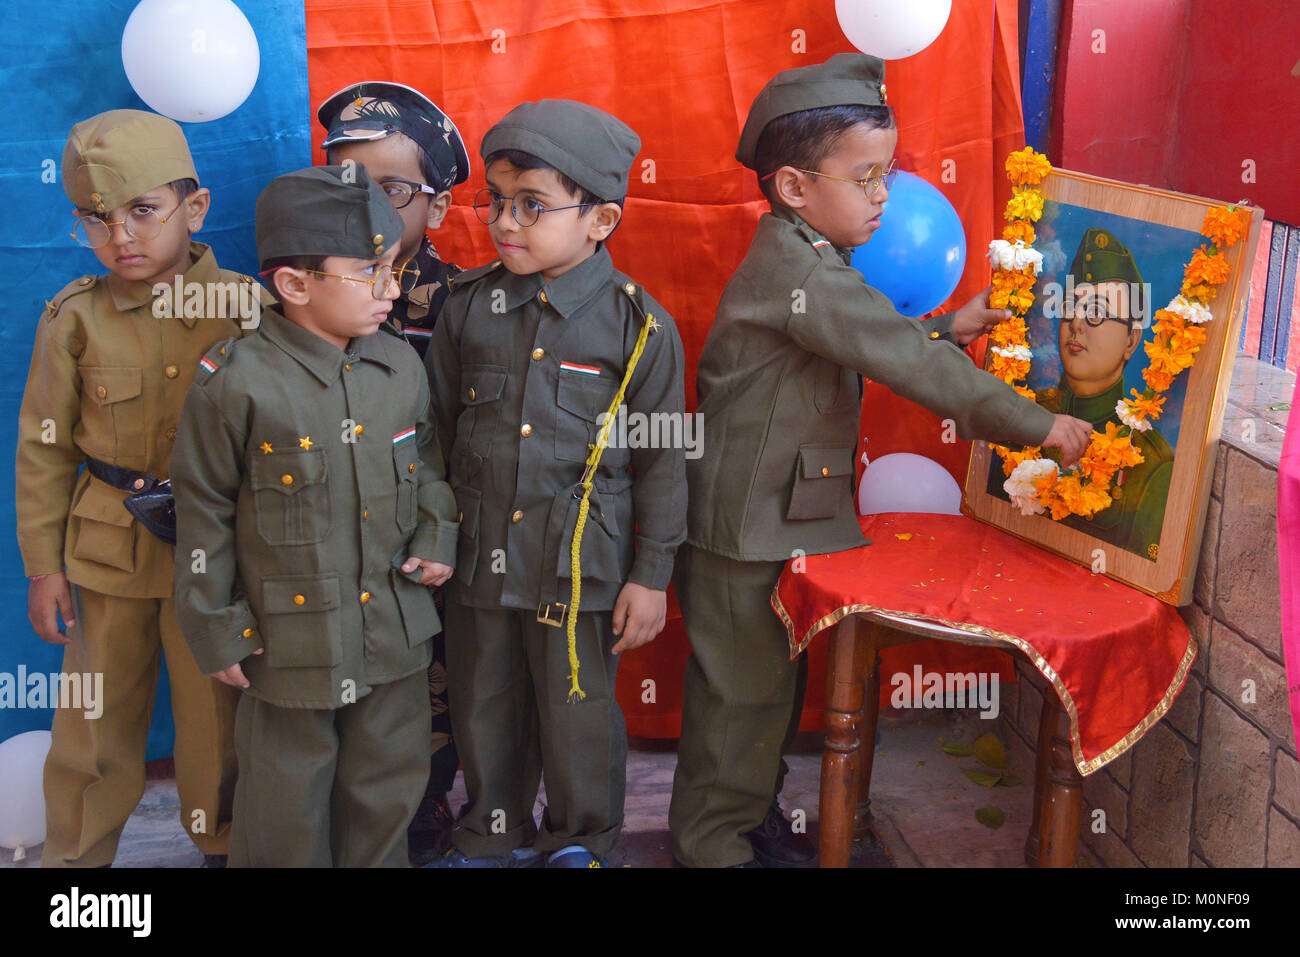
920 764
1279 407
958 749
1009 781
990 751
987 779
990 817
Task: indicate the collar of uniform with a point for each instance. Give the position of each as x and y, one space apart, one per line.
131 294
1095 408
317 356
376 348
790 216
567 293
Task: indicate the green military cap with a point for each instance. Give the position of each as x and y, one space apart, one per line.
1102 258
589 146
846 79
325 211
113 157
374 109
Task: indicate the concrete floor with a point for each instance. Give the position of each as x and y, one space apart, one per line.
924 806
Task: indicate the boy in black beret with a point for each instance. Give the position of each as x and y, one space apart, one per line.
312 514
529 363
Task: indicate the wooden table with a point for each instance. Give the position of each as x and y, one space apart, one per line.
852 706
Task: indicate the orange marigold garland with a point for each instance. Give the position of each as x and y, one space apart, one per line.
1034 483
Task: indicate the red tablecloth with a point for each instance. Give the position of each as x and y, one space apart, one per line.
1116 657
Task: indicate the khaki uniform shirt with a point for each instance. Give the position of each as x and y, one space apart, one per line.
778 393
304 477
521 372
108 378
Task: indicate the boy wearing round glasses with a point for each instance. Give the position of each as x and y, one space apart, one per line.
309 479
779 390
532 354
415 153
108 376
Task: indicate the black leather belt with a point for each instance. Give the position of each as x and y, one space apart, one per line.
125 479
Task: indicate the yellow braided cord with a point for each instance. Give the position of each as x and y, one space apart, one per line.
576 693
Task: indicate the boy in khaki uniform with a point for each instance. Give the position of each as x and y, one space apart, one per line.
309 479
108 376
780 400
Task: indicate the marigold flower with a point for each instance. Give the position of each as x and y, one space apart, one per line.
1026 203
1206 268
1224 225
1027 167
1020 229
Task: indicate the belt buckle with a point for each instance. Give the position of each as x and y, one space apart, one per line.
544 613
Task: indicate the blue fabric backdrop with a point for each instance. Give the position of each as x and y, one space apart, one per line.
60 62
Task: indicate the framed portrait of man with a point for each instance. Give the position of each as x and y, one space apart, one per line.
1113 254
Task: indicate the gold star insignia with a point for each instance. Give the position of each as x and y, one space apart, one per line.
654 323
266 448
306 442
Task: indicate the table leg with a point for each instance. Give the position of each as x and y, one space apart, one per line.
840 757
1042 762
1059 805
867 732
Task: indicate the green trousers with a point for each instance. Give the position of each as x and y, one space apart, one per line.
743 696
331 788
508 678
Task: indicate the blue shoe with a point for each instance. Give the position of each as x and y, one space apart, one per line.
575 855
519 857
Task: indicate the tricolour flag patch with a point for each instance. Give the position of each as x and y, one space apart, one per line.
821 242
207 365
404 435
579 369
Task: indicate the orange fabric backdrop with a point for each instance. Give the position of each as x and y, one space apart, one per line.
682 73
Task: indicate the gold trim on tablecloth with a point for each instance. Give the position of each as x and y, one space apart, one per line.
1047 671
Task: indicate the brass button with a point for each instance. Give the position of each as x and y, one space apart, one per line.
460 516
171 433
348 368
286 479
526 430
1088 276
825 471
629 289
248 632
101 392
538 353
1087 257
471 393
934 335
171 372
365 513
85 281
138 484
299 600
365 597
517 516
377 238
359 429
542 296
411 468
223 350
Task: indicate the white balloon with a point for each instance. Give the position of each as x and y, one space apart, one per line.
903 482
22 797
192 60
891 29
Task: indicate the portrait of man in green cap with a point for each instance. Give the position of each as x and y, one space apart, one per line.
1100 330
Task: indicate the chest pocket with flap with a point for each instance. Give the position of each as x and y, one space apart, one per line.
291 497
112 412
406 461
581 401
481 388
823 476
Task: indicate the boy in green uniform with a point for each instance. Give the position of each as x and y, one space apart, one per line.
312 514
530 354
114 355
779 397
415 153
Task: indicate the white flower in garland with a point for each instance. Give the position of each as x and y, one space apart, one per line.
1020 487
1005 255
1189 309
1126 416
1014 352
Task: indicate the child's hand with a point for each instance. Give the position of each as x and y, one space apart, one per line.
45 596
1071 436
234 675
639 616
976 318
431 573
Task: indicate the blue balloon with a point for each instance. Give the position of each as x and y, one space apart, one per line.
917 254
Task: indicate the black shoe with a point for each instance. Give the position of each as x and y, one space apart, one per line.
214 860
429 836
777 845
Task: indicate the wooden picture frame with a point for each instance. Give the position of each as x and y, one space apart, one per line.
1158 231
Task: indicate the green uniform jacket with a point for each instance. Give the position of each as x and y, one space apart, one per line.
778 392
1134 519
304 478
108 377
521 372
